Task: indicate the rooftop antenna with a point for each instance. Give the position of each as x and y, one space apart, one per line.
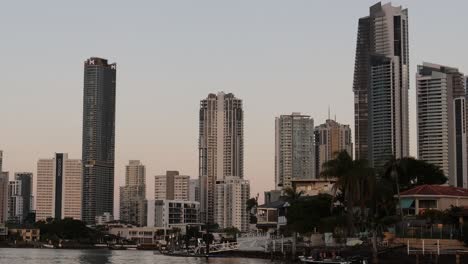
328 111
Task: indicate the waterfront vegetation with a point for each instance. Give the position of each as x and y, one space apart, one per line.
365 199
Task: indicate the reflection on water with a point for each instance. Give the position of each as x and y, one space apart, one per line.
59 256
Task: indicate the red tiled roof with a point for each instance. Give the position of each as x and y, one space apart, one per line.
436 190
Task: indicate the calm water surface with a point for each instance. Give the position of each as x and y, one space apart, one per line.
54 256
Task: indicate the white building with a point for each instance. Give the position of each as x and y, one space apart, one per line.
221 146
59 185
104 218
294 149
173 213
442 120
232 194
171 186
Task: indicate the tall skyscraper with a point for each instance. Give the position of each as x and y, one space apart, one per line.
232 194
442 120
3 192
98 138
59 183
221 146
294 149
20 198
331 138
381 83
133 194
171 186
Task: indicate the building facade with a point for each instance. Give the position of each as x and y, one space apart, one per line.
59 183
4 179
221 146
98 138
133 194
232 194
171 186
330 139
173 213
194 190
381 84
442 120
294 149
20 198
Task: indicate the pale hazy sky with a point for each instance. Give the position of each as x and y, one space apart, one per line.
278 56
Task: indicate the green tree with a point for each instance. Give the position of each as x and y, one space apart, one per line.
293 197
412 172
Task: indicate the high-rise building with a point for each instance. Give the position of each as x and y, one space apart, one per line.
294 149
381 84
98 138
442 120
133 194
232 194
4 179
20 198
194 190
171 186
330 139
59 183
221 146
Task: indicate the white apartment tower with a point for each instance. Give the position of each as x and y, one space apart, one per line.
442 120
221 147
59 187
232 194
294 149
331 138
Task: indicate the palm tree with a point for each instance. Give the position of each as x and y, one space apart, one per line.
354 179
293 197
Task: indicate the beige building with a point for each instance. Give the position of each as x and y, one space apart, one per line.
133 194
171 186
28 235
432 197
232 194
331 138
4 179
312 187
59 185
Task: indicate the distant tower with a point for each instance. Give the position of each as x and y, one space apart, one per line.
381 83
221 146
133 194
331 138
441 104
3 192
20 198
98 138
294 149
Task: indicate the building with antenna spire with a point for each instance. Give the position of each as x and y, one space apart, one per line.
331 138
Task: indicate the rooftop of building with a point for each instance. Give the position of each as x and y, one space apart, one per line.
436 190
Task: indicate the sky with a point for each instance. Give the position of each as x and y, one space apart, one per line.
278 56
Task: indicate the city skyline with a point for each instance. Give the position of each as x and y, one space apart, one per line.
131 139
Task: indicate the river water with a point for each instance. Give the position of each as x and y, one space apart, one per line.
59 256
